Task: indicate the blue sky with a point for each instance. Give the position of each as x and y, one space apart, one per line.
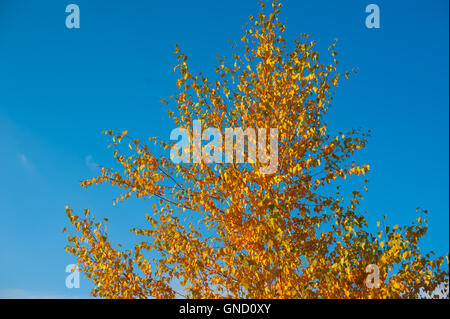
59 88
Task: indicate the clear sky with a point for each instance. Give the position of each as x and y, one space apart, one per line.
60 87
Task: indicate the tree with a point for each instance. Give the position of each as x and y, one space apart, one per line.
229 229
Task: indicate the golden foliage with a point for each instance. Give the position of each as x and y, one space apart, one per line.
226 230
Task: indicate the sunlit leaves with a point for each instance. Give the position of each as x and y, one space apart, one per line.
224 230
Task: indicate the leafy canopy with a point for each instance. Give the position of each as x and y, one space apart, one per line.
227 230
